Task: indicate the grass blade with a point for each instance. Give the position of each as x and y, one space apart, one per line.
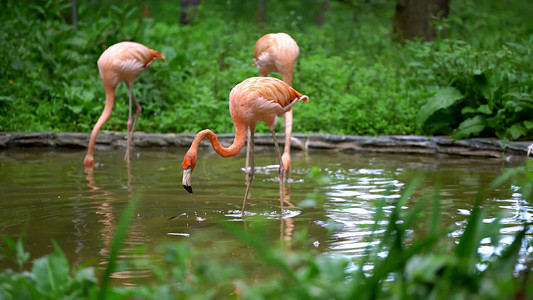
118 239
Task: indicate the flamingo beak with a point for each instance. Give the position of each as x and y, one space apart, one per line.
187 180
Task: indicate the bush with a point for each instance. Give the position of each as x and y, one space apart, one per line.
359 81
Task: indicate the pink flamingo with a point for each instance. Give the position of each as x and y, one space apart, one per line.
120 62
278 52
253 100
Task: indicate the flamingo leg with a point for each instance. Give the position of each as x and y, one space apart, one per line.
137 113
281 170
110 101
130 122
252 166
287 124
286 157
248 147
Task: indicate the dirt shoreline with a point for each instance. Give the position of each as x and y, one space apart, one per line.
483 147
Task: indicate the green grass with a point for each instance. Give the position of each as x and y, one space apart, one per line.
359 81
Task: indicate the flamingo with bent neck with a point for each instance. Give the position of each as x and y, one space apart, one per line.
123 61
253 100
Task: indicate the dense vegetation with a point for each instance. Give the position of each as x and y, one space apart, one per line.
409 256
475 79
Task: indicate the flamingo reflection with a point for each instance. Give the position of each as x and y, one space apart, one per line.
287 223
103 201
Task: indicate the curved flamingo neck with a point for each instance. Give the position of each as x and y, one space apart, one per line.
234 149
287 76
110 95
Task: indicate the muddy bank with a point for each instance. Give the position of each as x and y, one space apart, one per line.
485 147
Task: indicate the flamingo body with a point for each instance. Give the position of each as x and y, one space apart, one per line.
121 62
253 100
278 52
124 61
261 99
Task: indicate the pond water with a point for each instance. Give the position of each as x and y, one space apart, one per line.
47 194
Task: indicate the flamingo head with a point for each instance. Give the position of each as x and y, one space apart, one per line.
159 55
286 159
189 161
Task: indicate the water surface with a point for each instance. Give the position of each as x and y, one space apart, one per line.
47 194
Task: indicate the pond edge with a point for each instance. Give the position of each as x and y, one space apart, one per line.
482 147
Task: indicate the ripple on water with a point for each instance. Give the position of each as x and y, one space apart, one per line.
47 194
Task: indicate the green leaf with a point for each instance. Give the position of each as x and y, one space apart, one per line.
470 126
22 256
75 109
484 109
51 273
7 98
468 110
444 98
469 241
516 131
520 48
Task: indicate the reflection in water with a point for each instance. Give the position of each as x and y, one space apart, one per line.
103 201
46 194
287 223
286 206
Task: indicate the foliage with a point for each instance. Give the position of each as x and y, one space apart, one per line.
51 277
409 256
481 93
358 80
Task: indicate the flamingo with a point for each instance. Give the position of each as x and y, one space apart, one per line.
121 62
278 52
253 100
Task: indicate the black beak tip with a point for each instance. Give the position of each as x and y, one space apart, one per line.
188 188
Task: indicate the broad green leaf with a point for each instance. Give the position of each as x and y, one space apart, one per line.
528 125
471 126
468 110
444 98
51 273
516 131
484 109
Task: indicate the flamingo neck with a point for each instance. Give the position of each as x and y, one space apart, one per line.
234 149
110 96
287 76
